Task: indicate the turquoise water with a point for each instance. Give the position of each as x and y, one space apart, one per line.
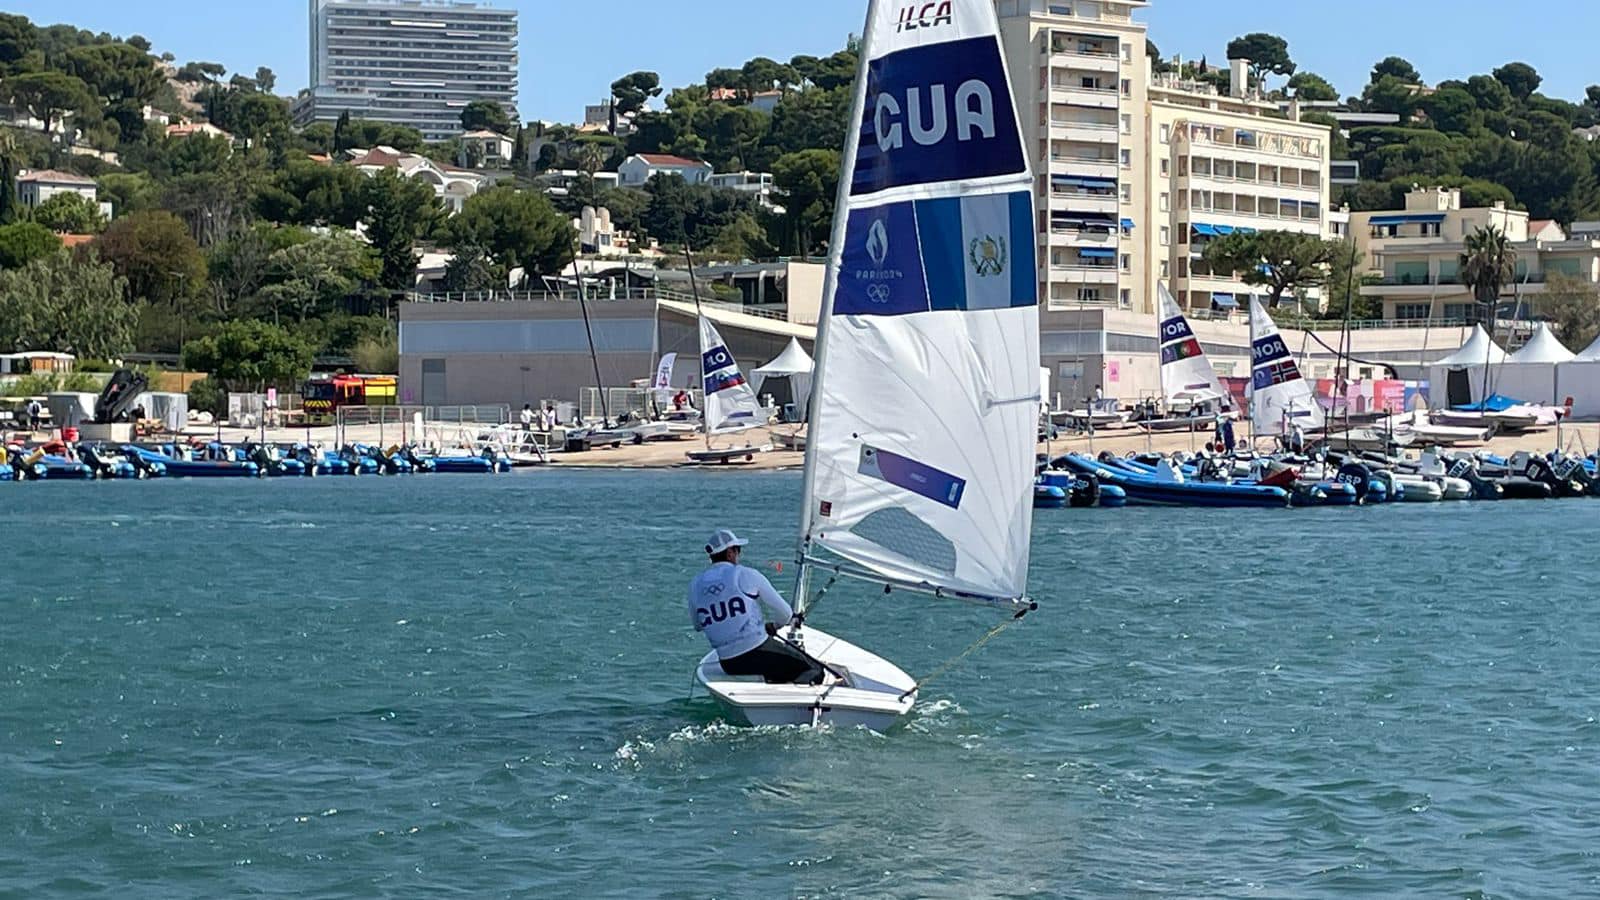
479 687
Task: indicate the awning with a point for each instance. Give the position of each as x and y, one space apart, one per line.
1223 230
1224 301
1127 224
1204 229
1409 219
1097 253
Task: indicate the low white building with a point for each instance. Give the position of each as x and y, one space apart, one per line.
758 183
641 167
492 149
559 182
35 187
452 185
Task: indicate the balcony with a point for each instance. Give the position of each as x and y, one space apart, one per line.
1084 201
1077 95
1084 132
1071 54
1082 237
1090 165
1083 274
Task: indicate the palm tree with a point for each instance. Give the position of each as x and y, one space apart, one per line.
1488 264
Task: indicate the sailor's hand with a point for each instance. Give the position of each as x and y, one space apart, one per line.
798 620
772 630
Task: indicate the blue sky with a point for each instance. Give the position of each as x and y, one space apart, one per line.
572 51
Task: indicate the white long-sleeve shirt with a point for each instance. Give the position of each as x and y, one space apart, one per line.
725 602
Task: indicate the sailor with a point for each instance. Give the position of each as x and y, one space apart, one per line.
725 602
35 415
527 417
1099 399
1297 439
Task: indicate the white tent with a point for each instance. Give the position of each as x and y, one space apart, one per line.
1542 349
1478 349
794 364
1592 352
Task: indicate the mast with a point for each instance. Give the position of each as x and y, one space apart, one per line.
830 282
599 385
694 288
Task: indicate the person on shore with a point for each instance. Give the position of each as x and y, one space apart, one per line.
680 401
527 417
725 603
1099 399
1297 439
35 415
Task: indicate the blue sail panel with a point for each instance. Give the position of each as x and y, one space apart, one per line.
936 113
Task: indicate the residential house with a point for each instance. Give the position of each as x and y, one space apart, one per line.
766 101
641 167
190 129
489 149
452 185
559 182
35 187
758 183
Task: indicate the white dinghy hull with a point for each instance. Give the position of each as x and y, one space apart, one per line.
875 694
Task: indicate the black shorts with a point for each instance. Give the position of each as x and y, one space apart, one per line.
777 662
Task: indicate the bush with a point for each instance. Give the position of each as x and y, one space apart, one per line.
40 383
206 396
379 355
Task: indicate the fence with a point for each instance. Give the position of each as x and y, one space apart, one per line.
635 402
399 423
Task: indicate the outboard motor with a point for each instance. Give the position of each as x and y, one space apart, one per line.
1539 469
1085 491
1357 476
1482 488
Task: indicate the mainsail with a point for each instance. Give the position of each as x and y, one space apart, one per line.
1185 371
1279 397
730 403
922 441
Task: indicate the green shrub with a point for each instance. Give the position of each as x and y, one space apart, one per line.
206 396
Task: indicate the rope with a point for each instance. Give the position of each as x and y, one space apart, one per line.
811 602
956 660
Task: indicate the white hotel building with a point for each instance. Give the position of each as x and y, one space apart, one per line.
1138 171
408 62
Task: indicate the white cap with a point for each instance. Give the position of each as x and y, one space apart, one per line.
722 539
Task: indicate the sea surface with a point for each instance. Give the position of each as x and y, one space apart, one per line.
480 686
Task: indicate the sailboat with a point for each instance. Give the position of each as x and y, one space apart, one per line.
920 456
1279 397
730 403
1187 378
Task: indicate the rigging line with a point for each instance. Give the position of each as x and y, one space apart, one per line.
956 660
1350 359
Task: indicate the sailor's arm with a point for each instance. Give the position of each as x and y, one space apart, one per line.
758 584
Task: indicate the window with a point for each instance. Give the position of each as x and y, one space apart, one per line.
1088 83
1127 88
1166 236
1127 262
1430 229
1125 298
1088 295
1183 166
1166 269
1166 134
1411 310
1127 53
1183 267
1166 167
1127 123
1165 203
1183 300
1127 192
1126 158
1183 232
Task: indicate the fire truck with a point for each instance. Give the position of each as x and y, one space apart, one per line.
323 396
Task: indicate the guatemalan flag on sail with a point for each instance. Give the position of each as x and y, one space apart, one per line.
926 403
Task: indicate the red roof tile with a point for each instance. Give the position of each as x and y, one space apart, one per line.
667 159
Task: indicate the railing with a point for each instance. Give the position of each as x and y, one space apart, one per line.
528 295
1056 86
1083 158
1089 126
1428 281
779 315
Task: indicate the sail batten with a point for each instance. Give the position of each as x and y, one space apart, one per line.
921 450
1280 398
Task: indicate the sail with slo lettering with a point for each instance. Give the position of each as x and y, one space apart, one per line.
1185 371
731 405
1280 398
921 451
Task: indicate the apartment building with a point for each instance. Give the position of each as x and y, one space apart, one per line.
1220 164
409 62
1137 172
1415 253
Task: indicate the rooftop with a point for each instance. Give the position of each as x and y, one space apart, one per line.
51 176
667 159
